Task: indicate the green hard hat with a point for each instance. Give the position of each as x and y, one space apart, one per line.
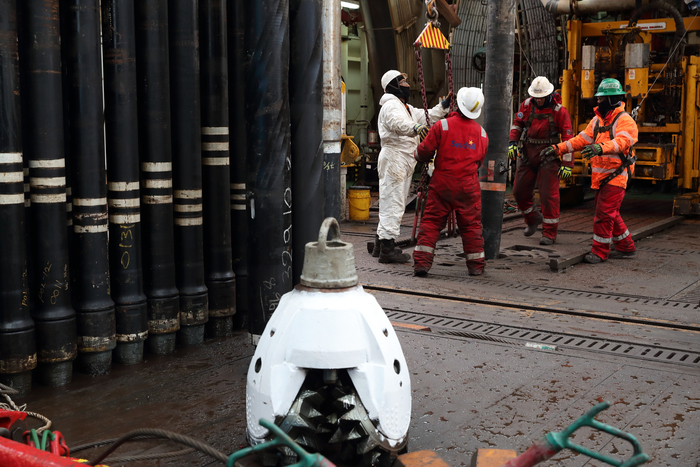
610 87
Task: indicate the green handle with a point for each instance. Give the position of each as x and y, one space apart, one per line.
281 439
560 440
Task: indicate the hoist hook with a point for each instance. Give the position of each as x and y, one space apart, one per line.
432 13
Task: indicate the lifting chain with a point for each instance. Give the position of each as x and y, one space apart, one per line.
423 186
450 82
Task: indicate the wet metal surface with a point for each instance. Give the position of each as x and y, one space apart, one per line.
468 392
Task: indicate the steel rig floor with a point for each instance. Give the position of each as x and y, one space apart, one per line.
627 331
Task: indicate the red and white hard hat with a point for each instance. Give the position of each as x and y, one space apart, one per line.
389 76
540 87
470 101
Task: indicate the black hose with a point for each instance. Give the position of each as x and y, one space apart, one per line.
673 12
164 434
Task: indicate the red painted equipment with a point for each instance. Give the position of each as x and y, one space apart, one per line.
14 454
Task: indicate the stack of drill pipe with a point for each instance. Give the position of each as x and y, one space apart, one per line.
90 265
42 108
155 154
268 162
218 266
239 215
17 339
187 169
121 127
306 104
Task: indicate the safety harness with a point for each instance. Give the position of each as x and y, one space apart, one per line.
554 135
627 161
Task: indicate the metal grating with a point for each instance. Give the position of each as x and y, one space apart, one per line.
678 303
513 335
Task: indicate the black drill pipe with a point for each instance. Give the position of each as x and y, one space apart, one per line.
218 266
155 154
63 11
90 266
238 122
497 97
306 108
183 30
269 159
123 195
42 108
17 339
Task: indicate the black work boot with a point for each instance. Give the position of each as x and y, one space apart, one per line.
377 249
616 254
390 254
532 228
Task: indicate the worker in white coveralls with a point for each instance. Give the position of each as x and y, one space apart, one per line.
401 128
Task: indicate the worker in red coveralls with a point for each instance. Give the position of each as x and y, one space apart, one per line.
540 122
461 145
607 141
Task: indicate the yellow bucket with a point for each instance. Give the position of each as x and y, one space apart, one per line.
359 201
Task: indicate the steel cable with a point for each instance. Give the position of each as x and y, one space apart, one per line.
161 434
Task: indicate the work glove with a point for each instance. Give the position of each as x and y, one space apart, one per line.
447 101
564 172
421 130
592 151
549 151
513 151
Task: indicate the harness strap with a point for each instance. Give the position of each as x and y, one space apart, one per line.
554 135
627 161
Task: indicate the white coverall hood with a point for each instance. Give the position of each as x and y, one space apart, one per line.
396 163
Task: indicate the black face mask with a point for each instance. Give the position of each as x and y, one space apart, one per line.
547 102
402 92
608 103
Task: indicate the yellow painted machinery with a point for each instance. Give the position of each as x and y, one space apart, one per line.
657 61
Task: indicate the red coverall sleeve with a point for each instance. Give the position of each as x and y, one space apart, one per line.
426 149
563 122
519 122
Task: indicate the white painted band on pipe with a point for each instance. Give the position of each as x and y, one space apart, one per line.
69 222
89 201
10 157
168 183
12 199
215 161
332 147
237 197
48 182
11 177
238 186
132 337
27 203
157 166
188 194
124 218
238 207
47 164
215 146
69 191
214 130
188 221
48 199
69 207
90 228
125 203
26 187
123 186
188 207
157 199
26 171
94 342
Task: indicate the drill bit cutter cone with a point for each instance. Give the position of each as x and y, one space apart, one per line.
329 369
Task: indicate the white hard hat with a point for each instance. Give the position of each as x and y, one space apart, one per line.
389 76
470 101
540 87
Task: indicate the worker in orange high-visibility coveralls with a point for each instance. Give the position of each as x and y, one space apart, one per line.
607 141
461 145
